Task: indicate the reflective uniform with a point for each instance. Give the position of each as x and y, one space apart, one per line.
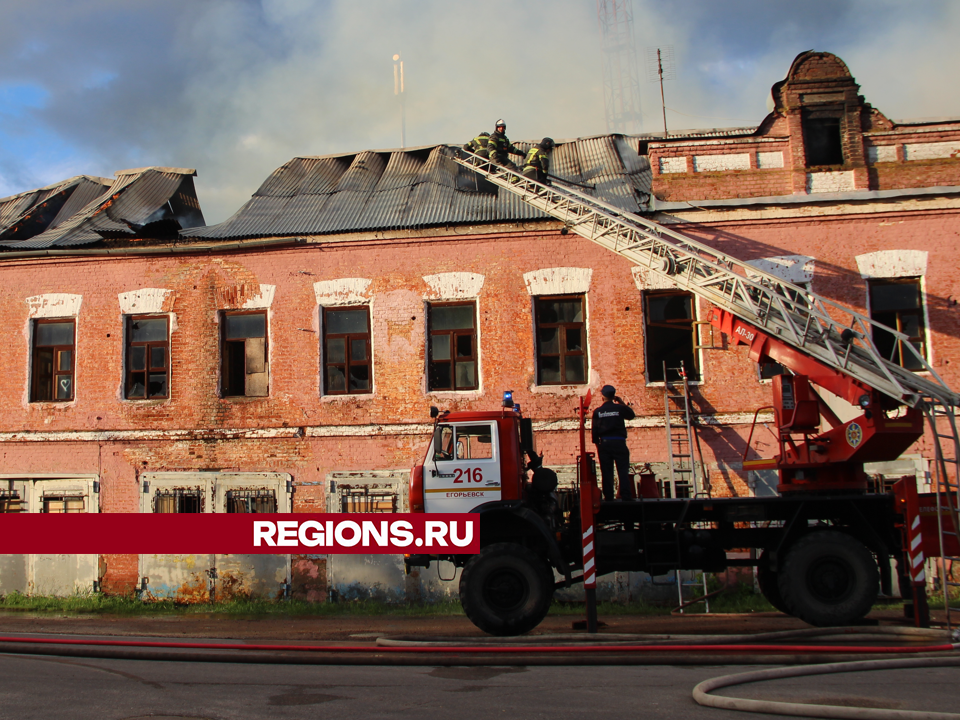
479 145
537 165
501 148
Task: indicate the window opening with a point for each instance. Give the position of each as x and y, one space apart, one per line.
898 304
244 353
367 500
561 340
822 141
53 361
178 500
10 501
670 335
148 358
452 347
252 501
346 357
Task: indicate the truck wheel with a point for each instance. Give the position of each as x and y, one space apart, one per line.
768 581
829 579
506 589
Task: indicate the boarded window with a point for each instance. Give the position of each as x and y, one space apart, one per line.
670 335
898 304
53 361
367 500
63 504
251 501
452 346
178 500
245 370
10 501
148 358
346 351
561 340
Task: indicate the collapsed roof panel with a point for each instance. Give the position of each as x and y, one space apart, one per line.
143 203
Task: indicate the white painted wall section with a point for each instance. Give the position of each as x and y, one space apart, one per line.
720 163
881 153
893 264
828 182
263 300
673 165
53 305
931 151
344 291
768 160
645 279
454 285
792 268
558 281
145 301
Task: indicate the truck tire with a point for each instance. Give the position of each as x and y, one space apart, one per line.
768 580
828 579
506 589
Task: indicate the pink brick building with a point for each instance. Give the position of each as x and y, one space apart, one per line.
286 359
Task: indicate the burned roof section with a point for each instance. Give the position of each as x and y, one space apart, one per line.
142 204
419 188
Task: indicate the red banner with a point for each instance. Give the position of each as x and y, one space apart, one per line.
208 533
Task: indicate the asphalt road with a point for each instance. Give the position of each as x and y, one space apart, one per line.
86 689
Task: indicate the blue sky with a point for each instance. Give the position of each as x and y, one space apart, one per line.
235 88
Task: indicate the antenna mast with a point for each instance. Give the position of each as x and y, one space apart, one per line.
621 84
398 92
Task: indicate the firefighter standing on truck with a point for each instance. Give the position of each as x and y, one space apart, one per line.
501 148
537 165
609 432
478 146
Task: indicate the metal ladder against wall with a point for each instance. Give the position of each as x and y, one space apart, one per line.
833 334
681 434
947 488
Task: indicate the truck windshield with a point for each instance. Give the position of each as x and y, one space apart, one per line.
463 442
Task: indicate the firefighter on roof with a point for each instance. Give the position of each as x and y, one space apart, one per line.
537 165
478 146
501 148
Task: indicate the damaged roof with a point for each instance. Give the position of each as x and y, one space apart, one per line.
418 188
153 202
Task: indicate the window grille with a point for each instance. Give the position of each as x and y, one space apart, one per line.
251 501
365 500
178 500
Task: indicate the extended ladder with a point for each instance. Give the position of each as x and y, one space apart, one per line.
833 334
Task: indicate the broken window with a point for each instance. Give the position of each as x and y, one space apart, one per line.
367 500
452 346
10 501
53 361
898 304
245 369
63 504
148 358
346 351
178 500
561 340
822 141
671 336
251 501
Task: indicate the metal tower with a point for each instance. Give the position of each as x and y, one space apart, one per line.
621 84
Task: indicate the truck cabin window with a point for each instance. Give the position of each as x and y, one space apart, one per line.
463 442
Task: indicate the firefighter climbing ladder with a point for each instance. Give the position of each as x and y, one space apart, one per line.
825 330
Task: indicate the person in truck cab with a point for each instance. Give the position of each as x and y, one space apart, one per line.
609 433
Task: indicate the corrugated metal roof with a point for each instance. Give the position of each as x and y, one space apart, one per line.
146 202
29 213
419 188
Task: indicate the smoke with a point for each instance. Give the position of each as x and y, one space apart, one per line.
236 88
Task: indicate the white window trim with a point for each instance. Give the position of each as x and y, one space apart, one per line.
32 488
214 486
171 326
353 301
564 389
927 340
697 312
457 394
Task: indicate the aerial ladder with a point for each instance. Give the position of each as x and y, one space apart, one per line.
821 342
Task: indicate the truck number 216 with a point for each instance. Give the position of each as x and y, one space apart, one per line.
462 475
